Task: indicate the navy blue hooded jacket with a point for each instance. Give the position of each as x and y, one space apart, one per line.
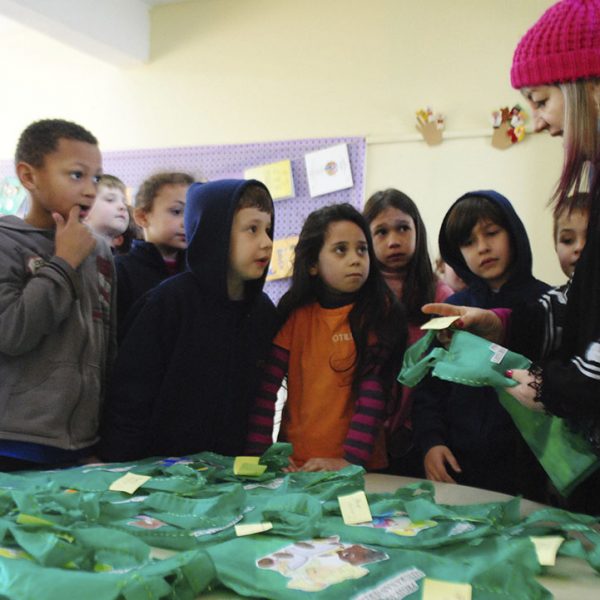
188 367
138 271
470 420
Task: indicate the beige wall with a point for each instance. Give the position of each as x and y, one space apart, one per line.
225 71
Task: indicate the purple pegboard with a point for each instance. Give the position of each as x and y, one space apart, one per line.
218 162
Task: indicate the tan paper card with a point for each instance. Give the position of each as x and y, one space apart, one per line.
440 322
436 589
546 548
355 508
129 483
252 528
248 466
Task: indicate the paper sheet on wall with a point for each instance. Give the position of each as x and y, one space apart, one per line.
282 259
276 176
328 170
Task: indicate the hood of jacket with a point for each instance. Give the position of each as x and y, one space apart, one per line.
209 211
520 273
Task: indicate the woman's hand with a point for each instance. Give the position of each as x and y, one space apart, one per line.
484 323
324 464
526 389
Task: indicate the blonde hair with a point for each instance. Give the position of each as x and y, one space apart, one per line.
581 137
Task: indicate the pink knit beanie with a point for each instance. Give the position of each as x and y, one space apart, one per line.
564 45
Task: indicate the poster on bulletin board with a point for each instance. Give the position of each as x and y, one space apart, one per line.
235 161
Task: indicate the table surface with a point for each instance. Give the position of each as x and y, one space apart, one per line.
569 579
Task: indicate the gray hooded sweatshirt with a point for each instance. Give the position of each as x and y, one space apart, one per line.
57 338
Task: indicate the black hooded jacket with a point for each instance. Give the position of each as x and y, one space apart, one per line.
469 420
188 367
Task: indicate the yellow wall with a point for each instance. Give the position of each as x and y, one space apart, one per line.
225 71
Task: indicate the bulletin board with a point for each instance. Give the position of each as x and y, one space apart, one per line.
230 161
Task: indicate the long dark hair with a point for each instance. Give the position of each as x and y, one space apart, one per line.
420 280
377 320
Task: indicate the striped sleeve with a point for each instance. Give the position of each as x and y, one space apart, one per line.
260 424
367 420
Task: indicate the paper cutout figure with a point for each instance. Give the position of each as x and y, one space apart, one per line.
508 126
328 170
276 176
430 126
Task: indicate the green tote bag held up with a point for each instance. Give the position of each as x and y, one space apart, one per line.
566 456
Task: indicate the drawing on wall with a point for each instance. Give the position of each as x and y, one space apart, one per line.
328 170
276 176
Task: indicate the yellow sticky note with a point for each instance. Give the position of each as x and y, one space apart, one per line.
440 322
252 528
355 508
25 519
436 589
276 176
248 466
546 548
128 483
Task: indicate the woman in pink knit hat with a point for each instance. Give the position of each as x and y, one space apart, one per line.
557 67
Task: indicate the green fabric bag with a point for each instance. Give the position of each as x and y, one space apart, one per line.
566 456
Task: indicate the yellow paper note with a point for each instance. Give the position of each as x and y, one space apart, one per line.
252 528
546 548
355 508
248 466
276 176
129 483
440 322
436 589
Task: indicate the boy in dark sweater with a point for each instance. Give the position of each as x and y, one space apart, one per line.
463 432
188 367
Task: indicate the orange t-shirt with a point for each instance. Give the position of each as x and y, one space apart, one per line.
319 407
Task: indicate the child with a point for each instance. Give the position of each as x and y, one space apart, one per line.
108 216
159 206
343 338
570 231
464 434
188 366
56 291
122 243
446 274
400 242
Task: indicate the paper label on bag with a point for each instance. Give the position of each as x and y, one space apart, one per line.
440 322
129 483
546 548
355 508
252 528
499 353
248 466
436 589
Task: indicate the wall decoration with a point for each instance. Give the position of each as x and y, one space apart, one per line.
430 126
508 126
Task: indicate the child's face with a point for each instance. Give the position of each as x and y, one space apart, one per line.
448 275
548 105
488 253
343 263
108 215
394 238
571 233
163 225
250 248
68 177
